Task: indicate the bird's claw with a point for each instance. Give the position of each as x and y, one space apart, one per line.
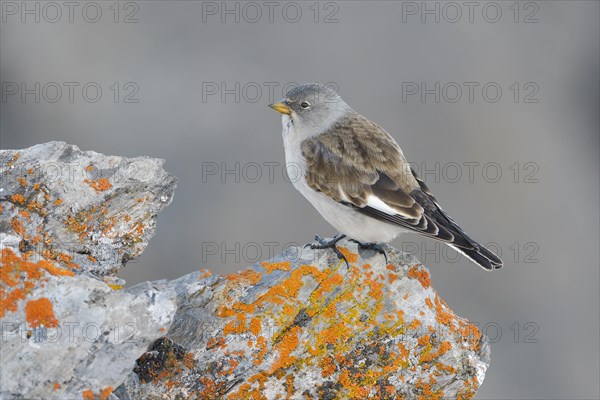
371 246
329 244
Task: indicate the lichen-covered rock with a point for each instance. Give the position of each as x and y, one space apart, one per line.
303 325
306 326
81 209
68 221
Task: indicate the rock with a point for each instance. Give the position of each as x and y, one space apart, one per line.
69 220
303 325
83 210
306 326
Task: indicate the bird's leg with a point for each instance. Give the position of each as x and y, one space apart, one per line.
371 246
330 244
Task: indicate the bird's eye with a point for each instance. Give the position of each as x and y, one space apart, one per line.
305 104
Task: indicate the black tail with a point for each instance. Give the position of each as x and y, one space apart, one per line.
481 256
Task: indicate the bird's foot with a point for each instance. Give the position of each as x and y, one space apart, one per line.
329 244
371 246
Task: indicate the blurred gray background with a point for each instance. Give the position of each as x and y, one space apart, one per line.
179 81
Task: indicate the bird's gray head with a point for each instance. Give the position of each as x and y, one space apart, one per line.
311 108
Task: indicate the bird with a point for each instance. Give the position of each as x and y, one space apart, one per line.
356 176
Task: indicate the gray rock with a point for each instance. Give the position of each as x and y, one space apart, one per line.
306 326
303 325
98 210
69 220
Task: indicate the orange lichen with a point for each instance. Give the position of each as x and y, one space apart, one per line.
25 214
285 347
18 276
421 274
328 284
424 340
446 368
246 392
58 202
10 301
210 390
428 302
99 185
276 266
40 312
138 228
255 326
56 385
426 390
67 260
392 278
54 270
327 366
427 354
246 277
188 360
350 256
333 333
289 384
214 342
471 332
105 393
414 324
444 347
375 288
262 350
442 316
18 226
404 353
289 287
204 274
78 227
95 220
87 394
236 327
36 207
17 198
354 387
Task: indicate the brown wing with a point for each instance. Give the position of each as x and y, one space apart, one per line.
358 164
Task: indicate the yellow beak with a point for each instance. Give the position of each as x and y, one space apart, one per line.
281 107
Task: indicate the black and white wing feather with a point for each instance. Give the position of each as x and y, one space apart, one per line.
358 164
